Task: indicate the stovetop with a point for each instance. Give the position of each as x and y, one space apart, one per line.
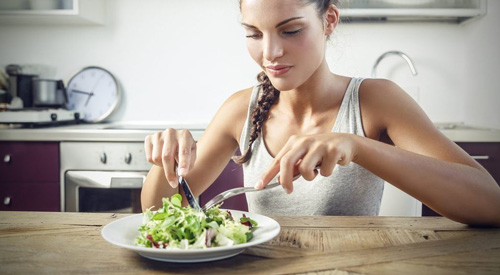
39 117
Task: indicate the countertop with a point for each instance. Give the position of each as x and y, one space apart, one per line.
138 130
117 131
458 132
70 243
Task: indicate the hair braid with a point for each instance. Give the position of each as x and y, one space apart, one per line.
260 114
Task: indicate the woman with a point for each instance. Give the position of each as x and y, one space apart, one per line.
358 132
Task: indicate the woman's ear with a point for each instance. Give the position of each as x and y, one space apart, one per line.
331 19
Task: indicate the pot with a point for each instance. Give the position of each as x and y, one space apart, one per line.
49 93
21 86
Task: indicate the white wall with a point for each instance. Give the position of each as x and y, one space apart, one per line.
179 60
482 59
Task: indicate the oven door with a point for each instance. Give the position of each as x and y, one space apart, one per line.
103 191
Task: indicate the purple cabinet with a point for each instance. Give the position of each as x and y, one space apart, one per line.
29 176
231 177
487 154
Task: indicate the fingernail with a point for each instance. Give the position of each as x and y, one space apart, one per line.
259 184
288 191
182 172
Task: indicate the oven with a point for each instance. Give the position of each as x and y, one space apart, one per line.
102 176
107 176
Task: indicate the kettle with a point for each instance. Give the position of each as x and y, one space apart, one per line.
49 93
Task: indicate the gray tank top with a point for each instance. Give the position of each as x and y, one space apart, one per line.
350 191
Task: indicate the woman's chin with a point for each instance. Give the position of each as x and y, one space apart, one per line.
283 85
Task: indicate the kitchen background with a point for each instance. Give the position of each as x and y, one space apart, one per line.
179 60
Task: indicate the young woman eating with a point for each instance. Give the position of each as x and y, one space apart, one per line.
358 132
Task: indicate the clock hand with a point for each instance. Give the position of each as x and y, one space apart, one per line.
97 83
80 92
88 99
92 91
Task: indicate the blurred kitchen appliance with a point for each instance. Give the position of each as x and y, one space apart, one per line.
38 116
99 176
13 70
4 97
453 11
24 89
33 101
21 85
102 176
49 93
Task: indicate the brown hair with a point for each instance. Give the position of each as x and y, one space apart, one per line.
269 94
260 114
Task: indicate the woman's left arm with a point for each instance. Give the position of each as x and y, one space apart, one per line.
423 163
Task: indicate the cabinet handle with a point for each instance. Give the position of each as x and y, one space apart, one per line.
7 158
6 201
480 157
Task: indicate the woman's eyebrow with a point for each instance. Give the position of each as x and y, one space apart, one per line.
277 25
288 20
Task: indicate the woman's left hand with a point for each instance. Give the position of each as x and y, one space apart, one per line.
302 153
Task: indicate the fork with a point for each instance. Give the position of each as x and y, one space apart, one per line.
240 190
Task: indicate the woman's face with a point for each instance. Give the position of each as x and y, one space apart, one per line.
286 38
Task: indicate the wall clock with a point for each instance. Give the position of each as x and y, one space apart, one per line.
93 92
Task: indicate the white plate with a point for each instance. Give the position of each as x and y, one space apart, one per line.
124 231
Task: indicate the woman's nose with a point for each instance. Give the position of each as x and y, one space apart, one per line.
272 48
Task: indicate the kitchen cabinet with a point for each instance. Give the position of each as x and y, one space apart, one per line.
29 176
456 11
231 177
487 154
36 12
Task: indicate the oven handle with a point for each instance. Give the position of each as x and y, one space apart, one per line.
107 179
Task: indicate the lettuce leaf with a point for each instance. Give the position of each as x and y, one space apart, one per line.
177 227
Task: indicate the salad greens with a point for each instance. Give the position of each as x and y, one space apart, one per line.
174 226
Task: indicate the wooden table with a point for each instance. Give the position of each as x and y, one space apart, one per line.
49 242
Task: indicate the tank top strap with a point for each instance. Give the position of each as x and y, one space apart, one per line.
245 133
349 116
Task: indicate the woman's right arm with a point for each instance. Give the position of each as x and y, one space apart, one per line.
155 188
200 163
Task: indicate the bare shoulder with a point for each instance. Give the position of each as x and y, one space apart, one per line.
388 110
385 104
378 100
382 92
239 100
236 106
232 114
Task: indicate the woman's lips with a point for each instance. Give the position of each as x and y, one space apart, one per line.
278 70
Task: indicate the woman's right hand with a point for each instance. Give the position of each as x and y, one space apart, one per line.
171 150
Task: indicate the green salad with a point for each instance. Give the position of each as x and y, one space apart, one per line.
177 227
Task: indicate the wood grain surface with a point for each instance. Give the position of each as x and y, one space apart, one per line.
64 243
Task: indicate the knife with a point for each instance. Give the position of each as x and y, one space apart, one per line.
189 195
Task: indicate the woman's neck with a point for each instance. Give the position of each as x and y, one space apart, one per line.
319 94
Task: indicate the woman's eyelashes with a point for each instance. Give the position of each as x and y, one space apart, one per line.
254 35
294 32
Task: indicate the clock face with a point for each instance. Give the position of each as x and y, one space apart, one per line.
94 93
